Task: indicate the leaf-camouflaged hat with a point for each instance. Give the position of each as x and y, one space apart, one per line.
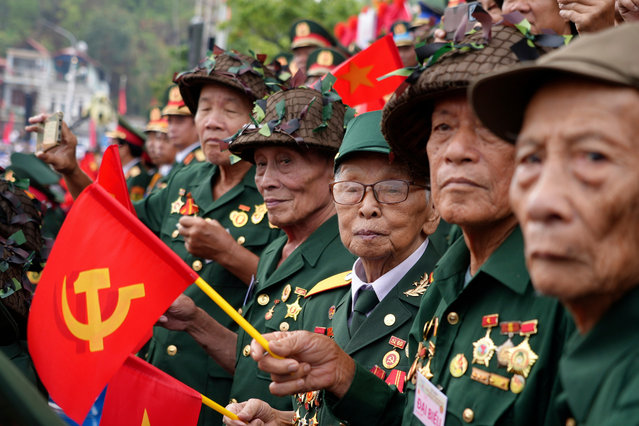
303 117
240 72
447 69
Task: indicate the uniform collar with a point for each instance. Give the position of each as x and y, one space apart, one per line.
588 359
128 166
180 156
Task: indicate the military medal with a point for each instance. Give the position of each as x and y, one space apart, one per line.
189 207
420 286
331 312
238 218
458 365
517 383
522 356
177 204
484 348
258 215
425 370
269 314
508 328
286 292
294 308
262 299
392 357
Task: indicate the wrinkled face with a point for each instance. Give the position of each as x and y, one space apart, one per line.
221 112
575 190
470 167
159 148
372 230
182 132
493 9
542 15
294 184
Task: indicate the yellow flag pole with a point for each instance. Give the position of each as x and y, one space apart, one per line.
230 311
217 407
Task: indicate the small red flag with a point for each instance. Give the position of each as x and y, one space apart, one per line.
357 78
111 177
106 282
122 96
141 394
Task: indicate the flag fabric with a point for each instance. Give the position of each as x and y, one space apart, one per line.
93 134
141 394
106 282
111 177
357 77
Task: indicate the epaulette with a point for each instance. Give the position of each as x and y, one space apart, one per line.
188 159
335 281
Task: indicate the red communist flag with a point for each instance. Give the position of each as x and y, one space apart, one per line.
357 78
111 177
107 280
141 394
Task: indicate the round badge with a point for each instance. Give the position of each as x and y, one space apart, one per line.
263 299
241 239
197 265
503 353
286 292
458 365
284 326
517 383
391 359
389 320
238 219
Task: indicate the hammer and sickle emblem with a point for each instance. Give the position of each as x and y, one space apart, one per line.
95 330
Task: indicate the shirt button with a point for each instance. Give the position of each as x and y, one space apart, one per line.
284 326
468 415
247 350
232 401
197 265
241 239
175 233
452 318
263 299
171 350
389 320
239 311
571 422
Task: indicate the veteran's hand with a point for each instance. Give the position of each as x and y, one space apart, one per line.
256 412
180 315
311 361
61 157
588 15
206 238
628 9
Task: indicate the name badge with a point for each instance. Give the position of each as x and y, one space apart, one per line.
430 403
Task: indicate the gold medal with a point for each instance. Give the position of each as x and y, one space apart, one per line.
425 370
522 356
294 309
412 370
458 365
177 205
391 359
263 299
517 383
286 292
484 348
238 218
258 215
269 314
508 328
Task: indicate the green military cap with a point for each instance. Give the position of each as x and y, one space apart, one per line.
37 171
402 34
363 134
127 133
306 33
322 61
609 57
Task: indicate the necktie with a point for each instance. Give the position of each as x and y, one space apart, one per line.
365 302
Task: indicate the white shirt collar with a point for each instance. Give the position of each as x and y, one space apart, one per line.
384 284
180 156
164 169
128 166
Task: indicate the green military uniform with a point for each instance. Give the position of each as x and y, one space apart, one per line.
242 212
380 342
277 292
598 370
482 394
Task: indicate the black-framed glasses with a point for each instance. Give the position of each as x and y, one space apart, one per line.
391 191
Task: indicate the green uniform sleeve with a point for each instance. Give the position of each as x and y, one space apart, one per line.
151 210
369 401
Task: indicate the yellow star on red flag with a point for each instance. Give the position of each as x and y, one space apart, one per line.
357 76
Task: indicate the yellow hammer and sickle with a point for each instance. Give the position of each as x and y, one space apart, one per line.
95 330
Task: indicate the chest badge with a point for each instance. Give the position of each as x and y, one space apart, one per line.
484 348
522 356
259 213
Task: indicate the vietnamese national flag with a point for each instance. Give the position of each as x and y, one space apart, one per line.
141 394
357 77
111 177
106 282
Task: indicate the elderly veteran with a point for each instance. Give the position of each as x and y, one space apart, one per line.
299 132
369 315
211 214
483 344
575 116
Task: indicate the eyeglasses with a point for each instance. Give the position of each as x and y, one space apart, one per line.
385 191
